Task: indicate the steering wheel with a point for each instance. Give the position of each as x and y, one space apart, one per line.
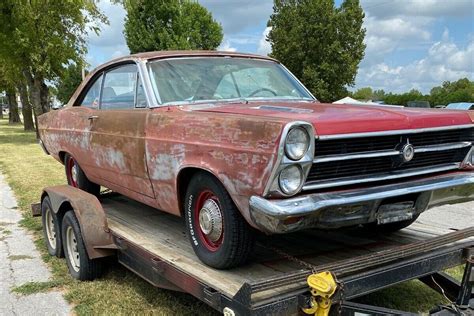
261 90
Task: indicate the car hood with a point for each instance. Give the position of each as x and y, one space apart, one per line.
330 119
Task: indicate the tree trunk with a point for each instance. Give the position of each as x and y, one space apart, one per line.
44 97
13 115
35 97
26 110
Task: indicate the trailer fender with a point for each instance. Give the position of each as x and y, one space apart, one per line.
90 214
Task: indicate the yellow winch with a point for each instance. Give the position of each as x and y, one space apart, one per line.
323 286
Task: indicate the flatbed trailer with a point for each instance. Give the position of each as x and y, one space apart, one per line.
154 245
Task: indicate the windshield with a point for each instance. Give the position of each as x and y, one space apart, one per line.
187 80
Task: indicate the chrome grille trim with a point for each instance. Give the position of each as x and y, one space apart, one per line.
384 153
424 149
379 177
369 154
395 132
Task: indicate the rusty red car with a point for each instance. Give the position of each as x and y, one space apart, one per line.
235 144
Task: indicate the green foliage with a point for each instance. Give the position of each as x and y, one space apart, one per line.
450 92
321 44
68 83
169 25
363 94
404 98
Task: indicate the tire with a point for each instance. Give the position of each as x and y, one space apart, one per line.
77 178
51 229
80 266
391 227
233 245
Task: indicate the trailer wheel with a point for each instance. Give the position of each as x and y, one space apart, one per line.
219 235
78 262
51 229
77 178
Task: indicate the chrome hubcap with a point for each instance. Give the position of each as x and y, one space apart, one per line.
210 220
50 229
74 173
73 253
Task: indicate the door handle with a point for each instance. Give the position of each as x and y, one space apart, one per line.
93 117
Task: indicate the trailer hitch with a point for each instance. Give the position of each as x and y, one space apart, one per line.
323 286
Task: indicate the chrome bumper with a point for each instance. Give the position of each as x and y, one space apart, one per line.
357 206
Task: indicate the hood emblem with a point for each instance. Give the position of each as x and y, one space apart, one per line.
407 152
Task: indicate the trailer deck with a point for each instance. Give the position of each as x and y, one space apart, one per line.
154 245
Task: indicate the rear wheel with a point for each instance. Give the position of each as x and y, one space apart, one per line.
51 229
77 178
78 262
219 235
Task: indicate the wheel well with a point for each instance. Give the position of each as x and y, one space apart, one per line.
61 155
182 181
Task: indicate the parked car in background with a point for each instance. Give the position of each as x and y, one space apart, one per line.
235 143
460 106
418 104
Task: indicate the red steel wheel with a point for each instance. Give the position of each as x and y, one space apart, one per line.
208 216
72 172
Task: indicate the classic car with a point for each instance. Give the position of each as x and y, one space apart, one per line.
235 144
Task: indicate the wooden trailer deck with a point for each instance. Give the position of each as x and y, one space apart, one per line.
163 235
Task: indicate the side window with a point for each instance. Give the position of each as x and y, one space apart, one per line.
140 99
91 100
119 86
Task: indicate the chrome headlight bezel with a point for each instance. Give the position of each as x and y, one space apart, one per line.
297 136
272 188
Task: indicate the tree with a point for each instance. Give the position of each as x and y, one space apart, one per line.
321 44
450 92
41 37
169 24
13 115
363 94
68 83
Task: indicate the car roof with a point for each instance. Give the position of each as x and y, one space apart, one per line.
177 54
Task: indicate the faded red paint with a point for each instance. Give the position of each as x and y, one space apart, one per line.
141 152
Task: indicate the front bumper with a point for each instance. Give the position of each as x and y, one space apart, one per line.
358 206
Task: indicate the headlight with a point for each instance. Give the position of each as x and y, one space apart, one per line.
297 143
290 179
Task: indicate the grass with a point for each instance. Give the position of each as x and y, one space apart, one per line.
28 170
19 257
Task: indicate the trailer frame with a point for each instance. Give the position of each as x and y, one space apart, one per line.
356 276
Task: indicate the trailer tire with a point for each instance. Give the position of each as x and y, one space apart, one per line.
51 229
77 178
219 235
80 266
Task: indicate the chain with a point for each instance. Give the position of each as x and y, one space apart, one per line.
313 270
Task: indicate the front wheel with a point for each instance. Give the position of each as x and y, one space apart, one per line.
219 235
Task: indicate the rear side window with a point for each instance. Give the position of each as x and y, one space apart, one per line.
91 100
119 88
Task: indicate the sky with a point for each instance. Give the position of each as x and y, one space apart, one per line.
411 44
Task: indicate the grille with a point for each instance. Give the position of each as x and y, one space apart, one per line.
356 145
339 160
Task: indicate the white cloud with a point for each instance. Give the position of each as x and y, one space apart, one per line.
110 43
226 47
444 61
264 47
237 16
419 8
